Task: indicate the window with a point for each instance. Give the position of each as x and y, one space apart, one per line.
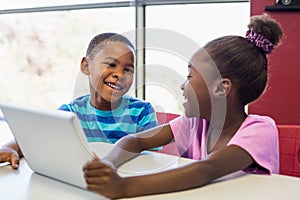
40 51
174 33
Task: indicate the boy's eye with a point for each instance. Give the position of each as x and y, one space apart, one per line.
188 76
129 70
110 64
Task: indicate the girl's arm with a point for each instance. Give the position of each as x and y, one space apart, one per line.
130 145
107 182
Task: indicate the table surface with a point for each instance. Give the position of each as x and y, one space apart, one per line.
24 184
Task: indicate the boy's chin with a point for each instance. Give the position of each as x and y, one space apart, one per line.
112 100
115 100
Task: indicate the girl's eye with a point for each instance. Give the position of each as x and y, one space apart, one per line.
189 76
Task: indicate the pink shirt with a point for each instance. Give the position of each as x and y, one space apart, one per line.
257 135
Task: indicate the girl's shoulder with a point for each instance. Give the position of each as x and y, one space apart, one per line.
260 118
258 123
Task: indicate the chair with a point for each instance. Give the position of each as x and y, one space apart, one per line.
163 118
289 149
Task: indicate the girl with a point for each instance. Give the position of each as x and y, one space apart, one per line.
224 76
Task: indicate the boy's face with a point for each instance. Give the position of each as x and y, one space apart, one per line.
110 73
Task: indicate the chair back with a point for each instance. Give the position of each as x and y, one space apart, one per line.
289 149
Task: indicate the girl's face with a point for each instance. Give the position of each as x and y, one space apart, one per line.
111 73
197 87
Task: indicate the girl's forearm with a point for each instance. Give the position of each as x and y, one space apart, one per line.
126 149
131 145
178 179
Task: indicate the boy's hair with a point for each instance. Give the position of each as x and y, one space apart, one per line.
243 61
99 42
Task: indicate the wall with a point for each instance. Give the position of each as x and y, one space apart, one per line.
281 100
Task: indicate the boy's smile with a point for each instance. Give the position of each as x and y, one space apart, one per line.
111 74
114 86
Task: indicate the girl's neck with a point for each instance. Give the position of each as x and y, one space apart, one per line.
234 120
219 134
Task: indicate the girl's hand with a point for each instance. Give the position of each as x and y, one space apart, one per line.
103 179
8 154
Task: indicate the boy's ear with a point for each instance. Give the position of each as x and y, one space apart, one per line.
222 88
85 66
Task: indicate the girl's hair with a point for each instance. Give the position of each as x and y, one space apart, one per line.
243 60
99 42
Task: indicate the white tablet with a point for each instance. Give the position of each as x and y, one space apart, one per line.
54 145
52 142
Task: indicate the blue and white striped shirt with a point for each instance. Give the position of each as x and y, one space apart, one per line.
132 116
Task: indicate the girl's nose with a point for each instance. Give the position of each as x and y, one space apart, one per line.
182 85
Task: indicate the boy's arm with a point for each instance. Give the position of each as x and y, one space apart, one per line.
129 146
10 152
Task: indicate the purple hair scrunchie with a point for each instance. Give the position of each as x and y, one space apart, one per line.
260 41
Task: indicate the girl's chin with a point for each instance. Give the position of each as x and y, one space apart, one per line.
187 110
190 112
187 113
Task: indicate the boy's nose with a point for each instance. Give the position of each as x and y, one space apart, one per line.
118 73
115 75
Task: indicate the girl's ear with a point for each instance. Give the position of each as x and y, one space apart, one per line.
85 66
222 88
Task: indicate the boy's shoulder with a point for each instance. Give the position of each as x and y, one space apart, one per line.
135 100
81 101
78 102
82 98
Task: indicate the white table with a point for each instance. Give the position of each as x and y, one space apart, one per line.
248 187
26 185
23 184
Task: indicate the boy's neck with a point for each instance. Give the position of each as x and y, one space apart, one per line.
102 104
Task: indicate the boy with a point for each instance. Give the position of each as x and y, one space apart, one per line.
106 114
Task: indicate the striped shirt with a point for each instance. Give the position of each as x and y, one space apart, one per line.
132 116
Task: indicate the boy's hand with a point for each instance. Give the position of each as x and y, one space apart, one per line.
10 155
103 179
